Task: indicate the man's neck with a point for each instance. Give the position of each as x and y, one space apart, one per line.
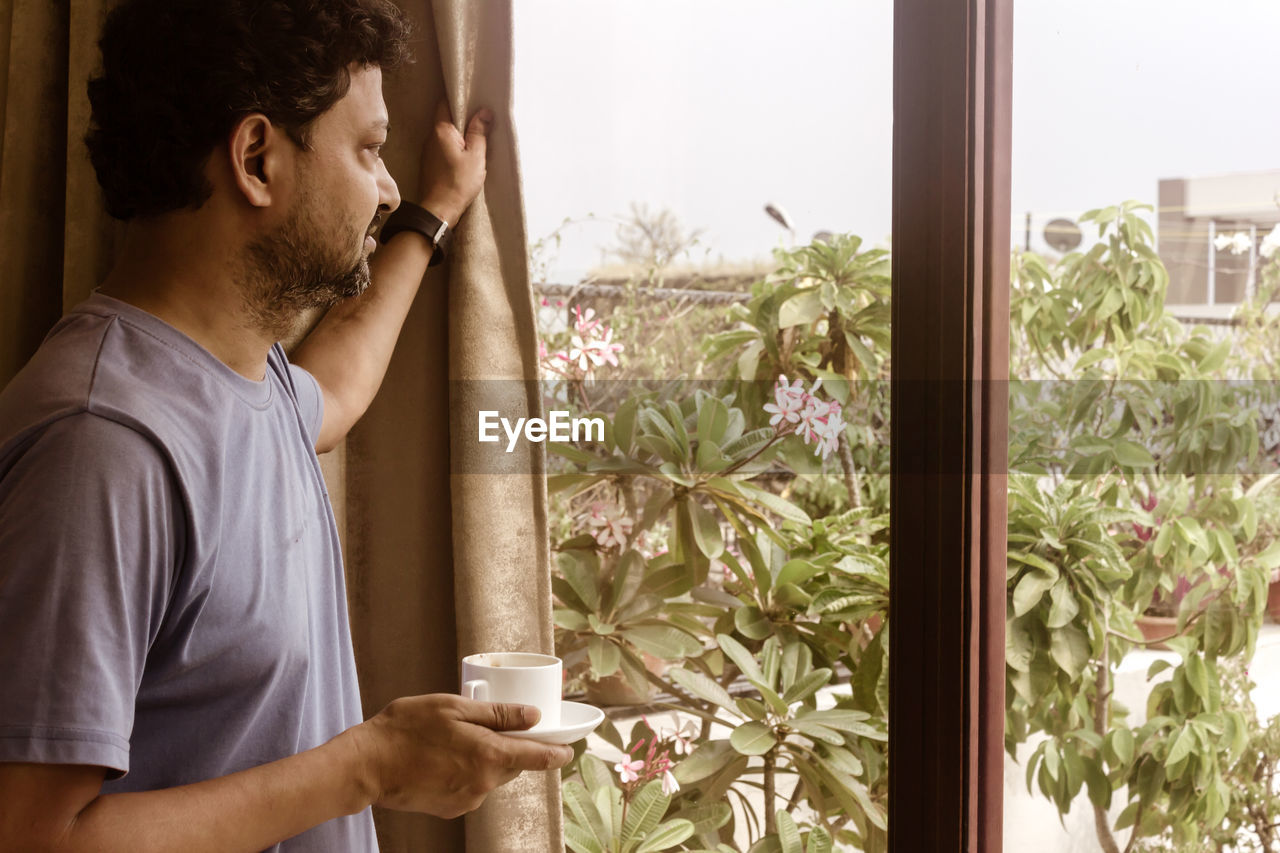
191 285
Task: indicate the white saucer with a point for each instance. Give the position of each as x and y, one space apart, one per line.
576 722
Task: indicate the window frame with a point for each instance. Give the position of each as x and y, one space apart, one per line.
952 72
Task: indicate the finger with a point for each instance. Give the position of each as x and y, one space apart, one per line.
443 114
525 755
478 130
499 716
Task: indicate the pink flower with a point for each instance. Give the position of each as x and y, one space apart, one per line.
610 526
825 424
788 402
816 421
584 322
591 345
629 770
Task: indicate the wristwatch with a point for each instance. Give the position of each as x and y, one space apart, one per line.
410 217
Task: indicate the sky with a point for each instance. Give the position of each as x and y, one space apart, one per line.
713 108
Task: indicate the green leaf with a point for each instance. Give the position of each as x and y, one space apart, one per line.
819 841
1064 608
775 504
797 572
853 722
666 836
803 308
788 832
605 656
1133 455
624 425
1121 741
1031 589
645 811
595 773
743 659
1182 746
816 731
581 571
707 759
807 685
702 687
706 530
663 641
753 738
713 419
580 840
584 811
1197 676
752 622
705 817
1070 649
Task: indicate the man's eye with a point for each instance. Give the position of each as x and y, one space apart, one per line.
377 149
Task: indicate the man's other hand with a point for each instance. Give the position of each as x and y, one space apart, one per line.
453 165
442 754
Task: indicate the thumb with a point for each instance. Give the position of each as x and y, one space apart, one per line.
478 129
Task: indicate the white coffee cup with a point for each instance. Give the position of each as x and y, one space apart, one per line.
521 677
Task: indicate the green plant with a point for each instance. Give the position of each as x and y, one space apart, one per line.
1134 480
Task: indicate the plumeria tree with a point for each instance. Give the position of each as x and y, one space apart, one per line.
680 544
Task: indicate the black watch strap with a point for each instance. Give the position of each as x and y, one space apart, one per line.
410 217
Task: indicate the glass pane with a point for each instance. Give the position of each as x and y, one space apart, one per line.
708 201
1144 528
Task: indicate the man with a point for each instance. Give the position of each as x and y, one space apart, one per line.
175 665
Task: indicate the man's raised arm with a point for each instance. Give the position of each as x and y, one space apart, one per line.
349 350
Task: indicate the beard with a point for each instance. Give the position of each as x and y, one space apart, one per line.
294 271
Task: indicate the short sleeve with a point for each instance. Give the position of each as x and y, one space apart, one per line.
310 400
90 532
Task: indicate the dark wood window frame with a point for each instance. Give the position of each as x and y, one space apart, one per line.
951 235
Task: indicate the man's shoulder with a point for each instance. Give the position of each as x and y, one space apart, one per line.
58 379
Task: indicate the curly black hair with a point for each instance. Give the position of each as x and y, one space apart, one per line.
177 75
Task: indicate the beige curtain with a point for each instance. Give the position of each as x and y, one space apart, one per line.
422 497
446 551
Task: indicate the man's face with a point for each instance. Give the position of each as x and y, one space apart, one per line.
319 254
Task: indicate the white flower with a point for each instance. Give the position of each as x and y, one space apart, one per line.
1270 243
669 783
609 526
788 402
1238 243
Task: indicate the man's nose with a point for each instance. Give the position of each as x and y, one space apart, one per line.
388 192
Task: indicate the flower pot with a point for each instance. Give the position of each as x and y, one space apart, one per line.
1157 627
1273 601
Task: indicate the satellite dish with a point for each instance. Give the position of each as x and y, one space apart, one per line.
1062 234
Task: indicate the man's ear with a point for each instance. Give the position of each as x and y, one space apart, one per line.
261 160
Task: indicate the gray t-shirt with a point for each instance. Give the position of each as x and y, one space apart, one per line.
172 604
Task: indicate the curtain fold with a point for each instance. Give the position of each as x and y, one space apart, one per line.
501 557
446 554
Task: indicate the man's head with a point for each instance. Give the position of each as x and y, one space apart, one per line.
279 102
177 75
